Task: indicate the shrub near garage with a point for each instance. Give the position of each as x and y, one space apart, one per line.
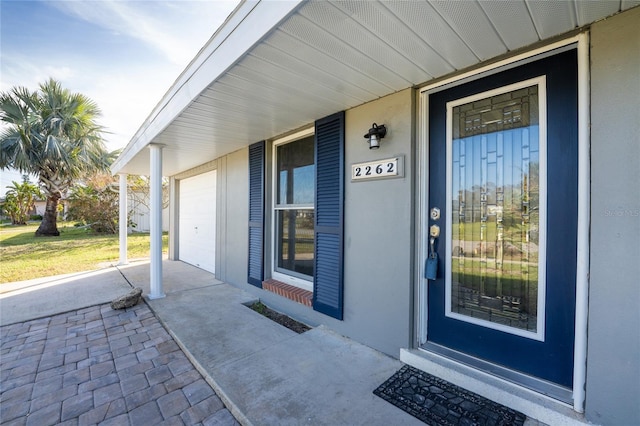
95 203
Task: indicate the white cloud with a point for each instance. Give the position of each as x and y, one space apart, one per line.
125 95
20 70
177 29
137 92
125 92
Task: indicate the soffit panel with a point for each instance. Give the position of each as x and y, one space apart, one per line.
401 38
231 111
198 126
279 88
553 17
224 126
316 74
589 11
338 70
363 27
424 21
230 129
261 96
262 113
512 22
254 109
627 4
331 56
471 24
211 99
393 32
297 79
315 36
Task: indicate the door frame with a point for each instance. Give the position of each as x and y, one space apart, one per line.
581 43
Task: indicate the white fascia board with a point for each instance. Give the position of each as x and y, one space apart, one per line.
248 24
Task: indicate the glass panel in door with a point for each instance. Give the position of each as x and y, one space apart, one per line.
494 203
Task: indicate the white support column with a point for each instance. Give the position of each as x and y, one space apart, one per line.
156 222
123 219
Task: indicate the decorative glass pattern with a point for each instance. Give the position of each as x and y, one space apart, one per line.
495 209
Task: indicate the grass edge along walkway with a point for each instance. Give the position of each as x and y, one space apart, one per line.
23 256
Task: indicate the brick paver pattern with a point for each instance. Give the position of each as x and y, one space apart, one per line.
101 366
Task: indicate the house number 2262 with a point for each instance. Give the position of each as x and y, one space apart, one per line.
375 169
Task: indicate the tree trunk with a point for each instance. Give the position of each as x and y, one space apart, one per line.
49 225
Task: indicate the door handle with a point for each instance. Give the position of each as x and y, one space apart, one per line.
434 233
431 265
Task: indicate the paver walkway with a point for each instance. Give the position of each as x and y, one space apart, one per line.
100 366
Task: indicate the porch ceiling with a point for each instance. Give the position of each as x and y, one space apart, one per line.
276 66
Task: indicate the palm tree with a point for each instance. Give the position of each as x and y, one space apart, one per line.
52 134
20 199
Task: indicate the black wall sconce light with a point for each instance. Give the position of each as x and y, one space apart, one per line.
375 134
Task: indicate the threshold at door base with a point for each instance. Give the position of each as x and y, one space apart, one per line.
534 405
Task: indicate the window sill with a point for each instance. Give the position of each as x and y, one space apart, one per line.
296 294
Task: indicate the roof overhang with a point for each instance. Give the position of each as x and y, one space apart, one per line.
275 66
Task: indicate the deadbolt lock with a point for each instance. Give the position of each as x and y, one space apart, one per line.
435 213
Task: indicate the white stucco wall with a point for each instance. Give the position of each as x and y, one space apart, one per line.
380 235
613 358
378 231
379 226
233 217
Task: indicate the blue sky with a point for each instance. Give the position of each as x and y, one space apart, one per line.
122 54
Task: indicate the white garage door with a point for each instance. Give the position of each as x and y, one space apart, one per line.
197 232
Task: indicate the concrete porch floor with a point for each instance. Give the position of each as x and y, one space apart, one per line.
264 373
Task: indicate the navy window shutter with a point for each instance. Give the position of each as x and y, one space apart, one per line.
256 213
329 224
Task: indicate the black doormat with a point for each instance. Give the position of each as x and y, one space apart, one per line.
440 403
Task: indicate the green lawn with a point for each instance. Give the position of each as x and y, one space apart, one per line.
23 256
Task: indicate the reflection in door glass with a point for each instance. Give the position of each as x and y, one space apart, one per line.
495 202
294 213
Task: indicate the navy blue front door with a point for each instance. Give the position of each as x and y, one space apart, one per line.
503 154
